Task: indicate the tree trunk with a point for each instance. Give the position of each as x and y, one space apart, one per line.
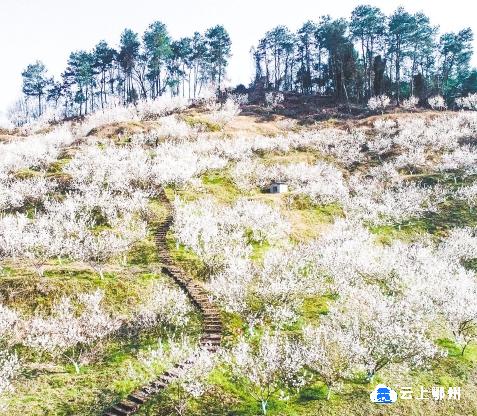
77 367
264 407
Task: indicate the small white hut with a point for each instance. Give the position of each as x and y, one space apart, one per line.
278 187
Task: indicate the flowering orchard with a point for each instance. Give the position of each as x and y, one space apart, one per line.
364 268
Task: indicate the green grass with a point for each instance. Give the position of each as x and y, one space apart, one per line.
27 292
58 165
229 398
26 173
186 258
143 253
48 386
259 250
315 306
220 185
202 123
52 388
58 390
308 220
215 183
451 214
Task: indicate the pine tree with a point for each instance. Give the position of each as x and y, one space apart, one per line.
35 81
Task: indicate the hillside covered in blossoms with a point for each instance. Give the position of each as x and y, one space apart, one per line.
362 272
305 244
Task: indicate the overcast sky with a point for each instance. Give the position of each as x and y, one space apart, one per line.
50 29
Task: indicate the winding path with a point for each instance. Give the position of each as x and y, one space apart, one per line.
211 327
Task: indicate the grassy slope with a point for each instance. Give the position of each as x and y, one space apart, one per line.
45 389
307 222
51 387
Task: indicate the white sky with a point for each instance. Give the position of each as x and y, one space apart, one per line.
50 29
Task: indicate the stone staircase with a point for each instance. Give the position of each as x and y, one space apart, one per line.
211 326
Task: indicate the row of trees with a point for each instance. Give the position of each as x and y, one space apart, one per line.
369 54
140 68
351 59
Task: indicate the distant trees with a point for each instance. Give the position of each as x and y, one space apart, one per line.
331 35
307 47
455 51
218 51
352 60
369 54
104 57
80 73
367 28
400 39
276 50
157 44
127 59
140 68
35 82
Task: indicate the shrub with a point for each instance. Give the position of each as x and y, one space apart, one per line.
410 103
437 102
379 102
223 114
469 102
272 98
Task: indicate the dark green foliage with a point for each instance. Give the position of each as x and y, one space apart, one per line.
370 54
347 59
218 51
141 68
35 82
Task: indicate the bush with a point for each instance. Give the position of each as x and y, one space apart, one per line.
222 114
379 102
410 103
272 98
469 102
437 102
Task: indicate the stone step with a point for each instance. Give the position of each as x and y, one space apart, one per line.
172 373
158 384
137 397
147 390
127 405
212 348
212 321
119 411
207 344
211 314
167 378
212 336
213 331
210 326
209 336
207 340
201 298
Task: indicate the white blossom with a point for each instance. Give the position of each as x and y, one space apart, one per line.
274 364
437 102
379 102
410 103
163 305
67 333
